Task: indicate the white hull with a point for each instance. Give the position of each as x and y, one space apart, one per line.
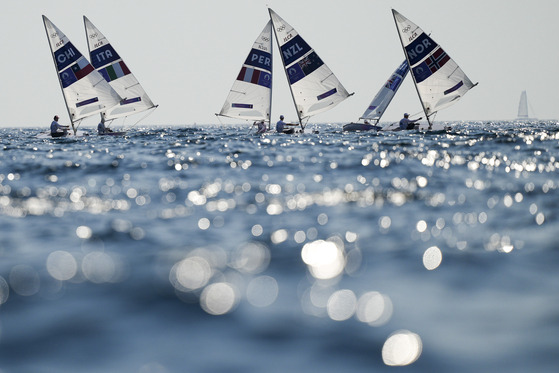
423 127
46 135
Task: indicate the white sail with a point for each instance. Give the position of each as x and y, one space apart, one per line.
108 63
250 96
439 80
85 91
523 106
380 102
314 87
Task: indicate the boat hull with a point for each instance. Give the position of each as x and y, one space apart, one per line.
70 135
112 134
360 127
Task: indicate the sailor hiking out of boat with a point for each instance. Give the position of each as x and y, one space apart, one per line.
58 130
408 124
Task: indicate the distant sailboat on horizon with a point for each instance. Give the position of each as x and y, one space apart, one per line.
523 108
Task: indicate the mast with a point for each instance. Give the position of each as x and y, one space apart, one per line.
412 75
58 76
285 70
272 79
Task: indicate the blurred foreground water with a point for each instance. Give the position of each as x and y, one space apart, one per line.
211 249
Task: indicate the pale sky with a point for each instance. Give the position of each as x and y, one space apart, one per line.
186 54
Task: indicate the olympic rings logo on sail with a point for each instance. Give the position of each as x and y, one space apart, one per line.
54 35
406 29
265 39
281 28
92 36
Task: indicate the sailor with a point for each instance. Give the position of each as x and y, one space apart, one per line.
58 130
406 123
280 125
101 129
261 126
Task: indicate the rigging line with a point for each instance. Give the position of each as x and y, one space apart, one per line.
145 116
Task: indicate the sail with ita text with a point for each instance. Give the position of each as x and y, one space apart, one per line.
439 81
111 66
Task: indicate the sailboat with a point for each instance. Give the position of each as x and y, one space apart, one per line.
110 65
314 88
523 108
85 91
380 102
250 98
438 80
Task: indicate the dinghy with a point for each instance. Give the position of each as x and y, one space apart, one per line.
111 66
314 88
85 91
523 114
438 80
250 98
380 102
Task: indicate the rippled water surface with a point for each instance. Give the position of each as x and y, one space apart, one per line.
211 249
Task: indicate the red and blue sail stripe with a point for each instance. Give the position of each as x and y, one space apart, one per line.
75 72
431 64
254 76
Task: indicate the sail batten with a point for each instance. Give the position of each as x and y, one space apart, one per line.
116 73
439 81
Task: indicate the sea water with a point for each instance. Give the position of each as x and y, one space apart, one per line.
212 249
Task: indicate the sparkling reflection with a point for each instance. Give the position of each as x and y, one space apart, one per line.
341 305
432 258
401 348
324 259
374 308
262 291
219 298
62 265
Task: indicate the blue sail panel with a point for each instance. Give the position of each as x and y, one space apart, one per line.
420 48
65 56
260 59
103 56
294 49
304 67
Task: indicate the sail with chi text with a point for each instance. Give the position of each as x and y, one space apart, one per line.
440 82
251 94
85 91
313 85
110 65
